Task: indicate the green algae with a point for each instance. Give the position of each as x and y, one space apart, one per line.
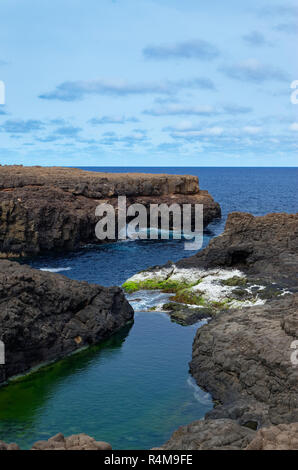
167 286
235 281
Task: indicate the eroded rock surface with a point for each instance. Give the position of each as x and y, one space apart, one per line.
46 209
59 442
265 247
220 434
45 316
76 442
245 355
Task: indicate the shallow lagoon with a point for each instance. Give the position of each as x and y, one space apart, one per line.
132 391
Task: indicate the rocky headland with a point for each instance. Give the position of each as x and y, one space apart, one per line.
53 209
45 316
245 283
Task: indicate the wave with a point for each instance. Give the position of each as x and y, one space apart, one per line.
201 396
55 270
144 300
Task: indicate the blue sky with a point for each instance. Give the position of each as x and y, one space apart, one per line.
148 82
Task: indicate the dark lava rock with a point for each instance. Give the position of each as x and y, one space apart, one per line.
282 437
185 315
262 247
245 356
45 316
53 209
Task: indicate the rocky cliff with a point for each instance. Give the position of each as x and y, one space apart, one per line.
265 246
244 356
44 316
46 209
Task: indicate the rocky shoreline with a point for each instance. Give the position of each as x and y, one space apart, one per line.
53 209
245 283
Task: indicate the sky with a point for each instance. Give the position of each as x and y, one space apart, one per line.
148 82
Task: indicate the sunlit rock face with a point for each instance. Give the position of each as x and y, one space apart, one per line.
53 209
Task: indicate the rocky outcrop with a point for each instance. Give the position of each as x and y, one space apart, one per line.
247 357
4 446
265 247
45 316
46 209
220 434
255 260
76 442
226 434
243 358
59 442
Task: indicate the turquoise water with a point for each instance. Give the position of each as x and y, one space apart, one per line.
133 391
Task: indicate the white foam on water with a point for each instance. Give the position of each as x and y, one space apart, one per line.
55 270
143 300
201 396
159 275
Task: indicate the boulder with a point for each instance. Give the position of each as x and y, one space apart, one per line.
220 434
46 316
282 437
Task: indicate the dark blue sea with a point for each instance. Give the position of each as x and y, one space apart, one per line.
134 390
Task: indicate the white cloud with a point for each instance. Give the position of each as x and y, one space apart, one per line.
252 130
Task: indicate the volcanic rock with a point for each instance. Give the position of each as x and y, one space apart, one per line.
220 434
282 437
53 209
59 442
45 316
265 247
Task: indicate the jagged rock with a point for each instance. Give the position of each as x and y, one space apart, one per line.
185 315
46 209
45 316
76 442
59 442
246 355
220 434
265 247
282 437
4 446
